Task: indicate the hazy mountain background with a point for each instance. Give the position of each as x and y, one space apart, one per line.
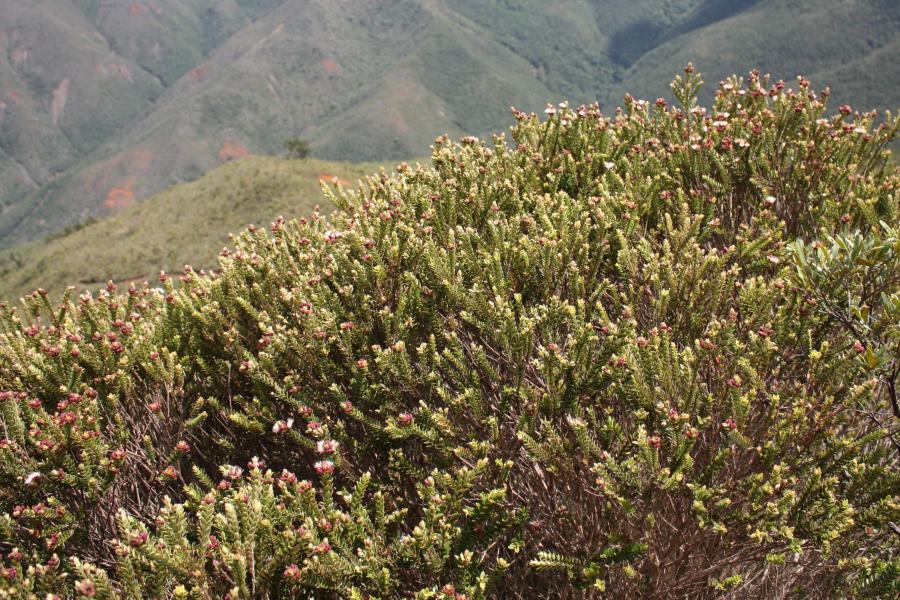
106 102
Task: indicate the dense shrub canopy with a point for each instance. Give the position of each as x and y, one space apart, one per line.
653 353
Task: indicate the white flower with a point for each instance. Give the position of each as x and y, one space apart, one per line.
32 477
280 426
327 446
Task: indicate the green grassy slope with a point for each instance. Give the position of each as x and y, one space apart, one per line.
187 224
366 80
850 45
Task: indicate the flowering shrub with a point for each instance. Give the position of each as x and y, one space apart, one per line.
648 354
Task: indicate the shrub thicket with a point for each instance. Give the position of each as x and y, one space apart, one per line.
653 353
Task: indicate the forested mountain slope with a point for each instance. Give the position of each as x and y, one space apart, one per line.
104 103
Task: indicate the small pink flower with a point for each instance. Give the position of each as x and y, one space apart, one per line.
729 424
405 419
86 587
654 441
293 573
845 109
858 346
322 548
324 467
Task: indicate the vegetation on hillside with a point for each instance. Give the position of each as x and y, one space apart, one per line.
645 354
157 92
187 224
75 74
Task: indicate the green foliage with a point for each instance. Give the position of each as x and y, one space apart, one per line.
296 147
643 354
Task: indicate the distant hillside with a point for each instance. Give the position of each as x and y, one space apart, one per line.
105 103
187 224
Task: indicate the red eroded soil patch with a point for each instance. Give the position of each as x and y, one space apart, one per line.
331 66
232 149
328 178
199 73
400 125
136 8
120 197
15 95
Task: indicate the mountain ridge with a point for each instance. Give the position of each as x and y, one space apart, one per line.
362 80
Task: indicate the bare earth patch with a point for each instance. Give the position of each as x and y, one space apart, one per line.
331 66
232 149
60 95
328 178
120 197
